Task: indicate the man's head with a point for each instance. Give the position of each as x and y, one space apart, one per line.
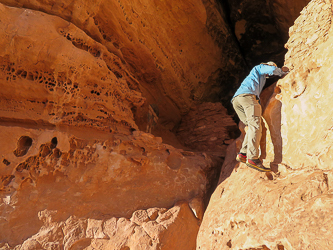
270 64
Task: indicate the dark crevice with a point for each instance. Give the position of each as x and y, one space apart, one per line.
227 10
254 20
213 178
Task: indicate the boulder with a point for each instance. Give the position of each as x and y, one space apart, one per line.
173 228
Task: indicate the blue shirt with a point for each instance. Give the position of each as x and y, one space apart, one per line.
255 81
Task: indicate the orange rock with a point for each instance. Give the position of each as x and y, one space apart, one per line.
114 49
91 179
175 228
290 207
304 91
77 80
208 128
285 13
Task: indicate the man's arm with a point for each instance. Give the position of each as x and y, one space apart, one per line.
272 70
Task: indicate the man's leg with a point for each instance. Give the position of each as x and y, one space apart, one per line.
248 105
252 111
242 116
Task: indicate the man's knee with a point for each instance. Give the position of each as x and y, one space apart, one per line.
254 122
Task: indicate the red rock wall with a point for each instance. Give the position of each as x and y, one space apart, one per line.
76 81
208 128
167 47
53 74
92 175
154 228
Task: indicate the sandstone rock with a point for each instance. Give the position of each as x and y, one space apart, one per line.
77 80
305 123
95 229
58 79
285 13
140 216
92 179
197 207
232 71
256 32
289 208
208 128
249 211
176 230
174 54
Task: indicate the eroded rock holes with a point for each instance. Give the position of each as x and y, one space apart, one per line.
54 142
6 162
23 145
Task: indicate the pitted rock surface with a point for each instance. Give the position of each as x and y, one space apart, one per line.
96 178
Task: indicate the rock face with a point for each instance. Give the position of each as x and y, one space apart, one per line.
146 229
81 82
108 176
53 74
250 211
256 32
290 208
208 128
77 82
153 47
304 93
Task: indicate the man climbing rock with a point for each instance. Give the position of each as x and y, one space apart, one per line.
247 106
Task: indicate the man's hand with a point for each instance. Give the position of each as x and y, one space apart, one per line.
285 69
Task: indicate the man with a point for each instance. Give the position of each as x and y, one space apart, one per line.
247 106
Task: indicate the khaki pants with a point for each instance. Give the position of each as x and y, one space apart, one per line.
248 110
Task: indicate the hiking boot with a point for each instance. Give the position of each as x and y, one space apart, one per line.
241 157
257 165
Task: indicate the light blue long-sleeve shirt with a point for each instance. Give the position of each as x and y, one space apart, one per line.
255 81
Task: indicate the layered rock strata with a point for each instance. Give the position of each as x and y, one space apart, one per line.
100 178
75 91
177 52
208 128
